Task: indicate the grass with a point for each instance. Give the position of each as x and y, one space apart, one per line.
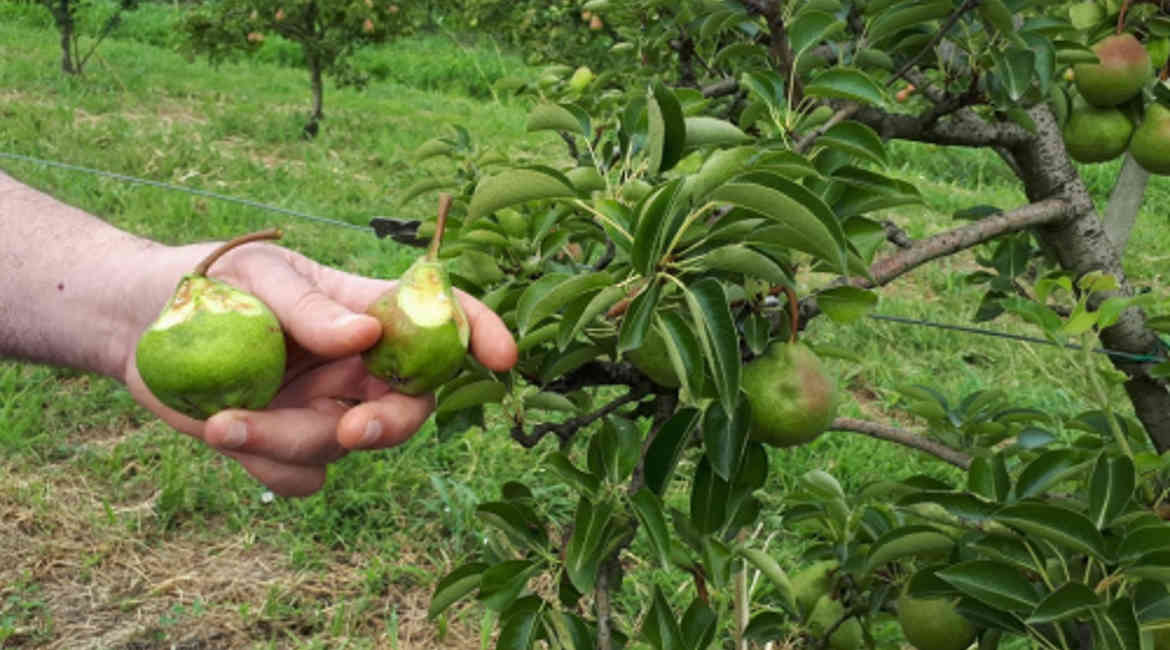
123 532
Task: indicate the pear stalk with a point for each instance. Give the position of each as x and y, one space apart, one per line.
270 233
445 201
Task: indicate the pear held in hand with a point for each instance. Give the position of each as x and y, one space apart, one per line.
213 347
424 330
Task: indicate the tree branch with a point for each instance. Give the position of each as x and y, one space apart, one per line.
963 128
948 243
954 18
844 113
904 438
567 429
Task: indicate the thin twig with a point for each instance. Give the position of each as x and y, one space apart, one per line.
840 116
954 18
904 438
567 429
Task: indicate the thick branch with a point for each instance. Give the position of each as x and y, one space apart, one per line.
950 242
963 128
904 438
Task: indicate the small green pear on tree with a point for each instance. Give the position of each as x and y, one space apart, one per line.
328 31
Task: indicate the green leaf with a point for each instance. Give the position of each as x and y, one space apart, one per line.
1006 549
431 148
1142 541
1117 628
518 628
1155 566
684 349
846 305
649 509
553 117
1110 489
1015 68
1046 470
517 186
991 616
856 139
667 129
659 627
699 625
994 583
665 451
988 478
502 583
770 568
890 22
580 313
725 437
961 504
712 315
845 83
424 186
1071 600
485 391
583 555
738 258
582 482
454 586
638 317
517 521
907 541
546 401
537 304
810 28
802 229
1061 526
713 132
709 496
657 219
559 363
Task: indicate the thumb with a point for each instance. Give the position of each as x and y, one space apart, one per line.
316 321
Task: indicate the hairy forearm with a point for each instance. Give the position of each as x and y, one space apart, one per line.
74 290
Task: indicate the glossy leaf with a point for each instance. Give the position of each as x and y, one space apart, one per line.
988 478
1143 541
636 322
660 627
704 131
486 391
907 541
517 521
907 15
554 117
846 305
994 583
725 437
684 350
665 451
517 186
709 496
649 509
845 83
699 624
1047 470
1071 600
503 582
738 258
810 28
583 555
454 586
554 295
1117 628
560 363
771 569
802 229
580 313
581 481
667 129
1110 489
1061 526
856 139
720 340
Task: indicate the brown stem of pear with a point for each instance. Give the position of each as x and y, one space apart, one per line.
794 312
1121 16
271 233
445 201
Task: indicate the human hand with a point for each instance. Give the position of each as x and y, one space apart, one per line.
328 404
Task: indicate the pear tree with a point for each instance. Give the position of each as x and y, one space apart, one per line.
328 32
725 182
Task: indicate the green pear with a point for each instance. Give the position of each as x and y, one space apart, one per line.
1093 135
934 624
581 78
793 399
424 330
812 582
1150 144
825 614
653 360
1123 69
213 346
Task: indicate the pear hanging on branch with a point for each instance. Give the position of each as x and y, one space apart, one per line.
214 346
424 330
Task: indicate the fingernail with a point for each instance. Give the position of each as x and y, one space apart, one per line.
372 434
236 435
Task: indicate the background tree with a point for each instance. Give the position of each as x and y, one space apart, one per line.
653 261
66 15
328 31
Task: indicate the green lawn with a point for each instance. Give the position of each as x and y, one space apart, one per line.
118 529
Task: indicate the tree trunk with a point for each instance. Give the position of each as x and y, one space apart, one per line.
64 18
1082 246
318 87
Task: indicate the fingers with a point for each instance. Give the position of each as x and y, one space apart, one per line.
284 479
313 318
491 342
387 421
300 436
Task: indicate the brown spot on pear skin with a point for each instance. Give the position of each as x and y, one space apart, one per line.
60 286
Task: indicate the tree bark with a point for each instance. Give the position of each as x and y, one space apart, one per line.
1082 246
65 25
